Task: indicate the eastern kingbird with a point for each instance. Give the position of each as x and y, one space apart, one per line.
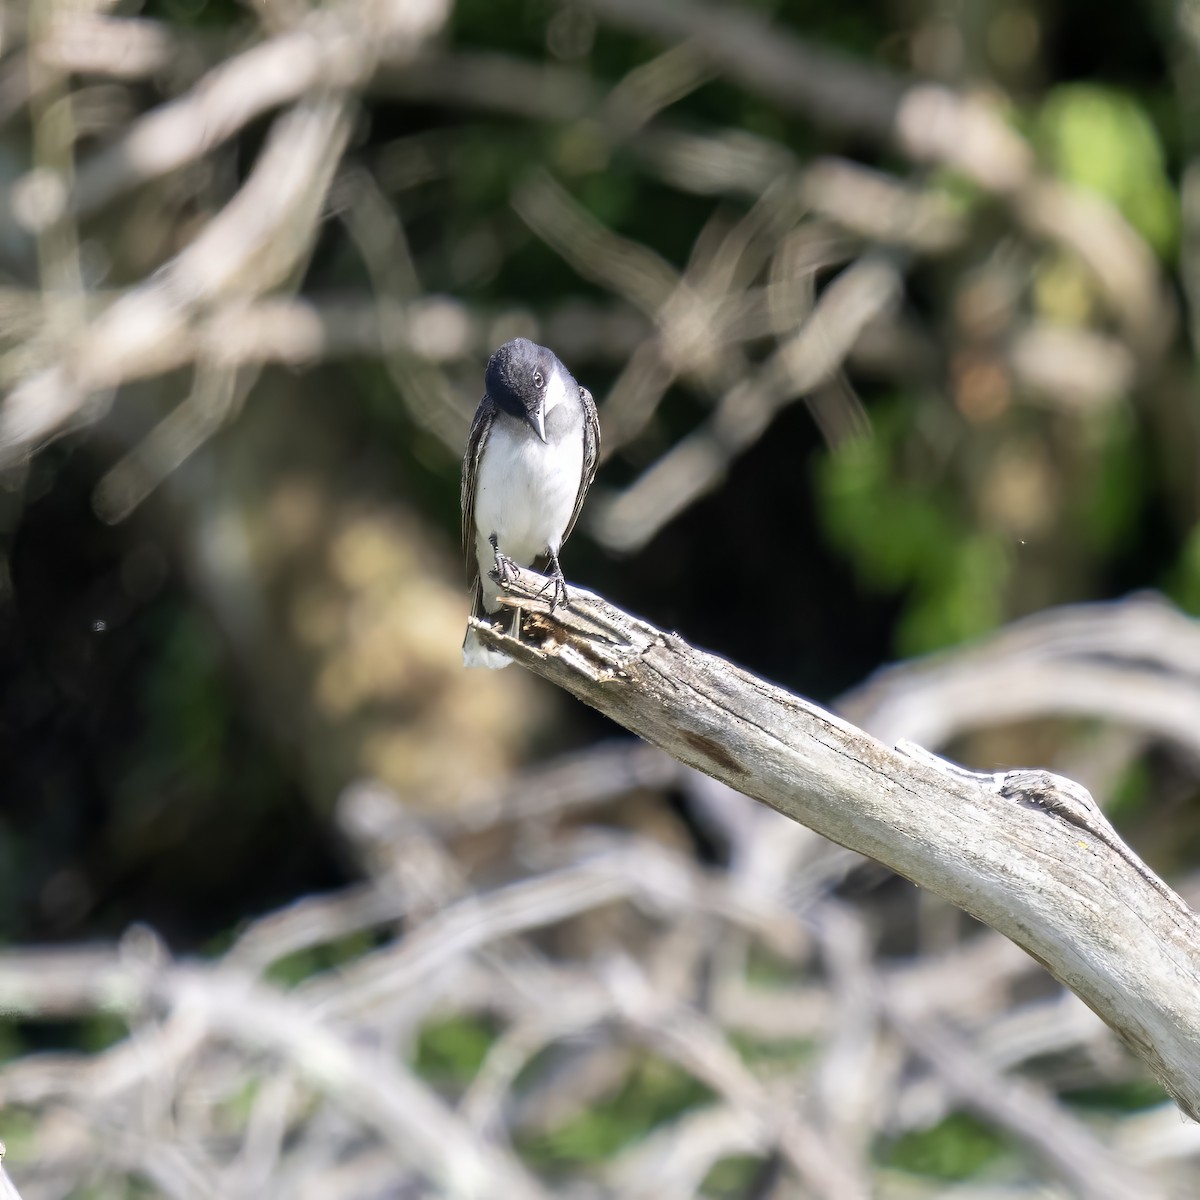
531 457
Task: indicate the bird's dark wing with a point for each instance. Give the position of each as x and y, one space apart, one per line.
481 426
591 455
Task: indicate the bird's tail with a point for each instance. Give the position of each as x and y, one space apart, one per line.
475 653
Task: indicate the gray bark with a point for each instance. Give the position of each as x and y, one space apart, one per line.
1025 852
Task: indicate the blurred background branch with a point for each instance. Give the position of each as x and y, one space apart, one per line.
890 312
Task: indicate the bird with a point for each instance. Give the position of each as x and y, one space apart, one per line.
531 456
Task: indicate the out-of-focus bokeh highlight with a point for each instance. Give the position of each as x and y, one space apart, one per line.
891 310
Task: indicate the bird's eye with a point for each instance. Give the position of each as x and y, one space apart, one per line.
538 381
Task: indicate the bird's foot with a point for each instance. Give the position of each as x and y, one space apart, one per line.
505 570
558 583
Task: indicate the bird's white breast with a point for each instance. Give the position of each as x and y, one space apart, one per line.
525 493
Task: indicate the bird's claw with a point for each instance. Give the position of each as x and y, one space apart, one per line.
506 570
559 584
559 595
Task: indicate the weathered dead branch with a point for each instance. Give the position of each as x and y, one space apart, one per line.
1067 891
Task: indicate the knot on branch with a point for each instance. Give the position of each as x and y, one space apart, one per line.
1066 799
1056 793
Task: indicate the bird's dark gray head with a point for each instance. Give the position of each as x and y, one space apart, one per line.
526 380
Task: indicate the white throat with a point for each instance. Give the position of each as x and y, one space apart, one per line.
556 392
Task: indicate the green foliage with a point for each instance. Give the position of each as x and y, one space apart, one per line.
18 1128
123 1187
1183 585
958 594
772 1052
487 160
957 1148
1132 1096
909 535
1102 139
518 26
731 1178
101 1030
1110 500
10 1043
239 1107
765 968
295 968
610 196
655 1091
452 1051
197 14
1129 796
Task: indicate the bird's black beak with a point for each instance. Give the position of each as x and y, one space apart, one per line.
537 419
